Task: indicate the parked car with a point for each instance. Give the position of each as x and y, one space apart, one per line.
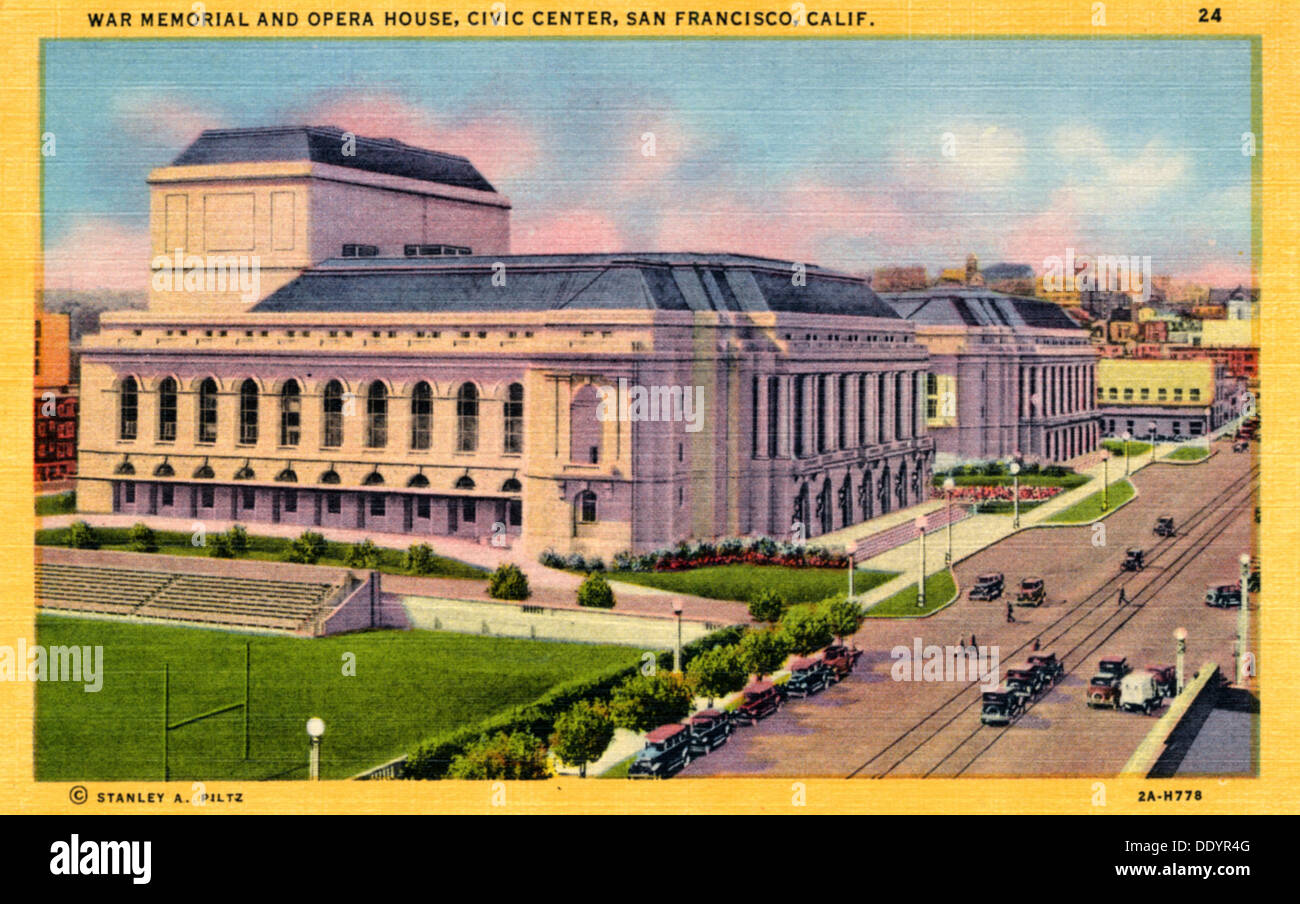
1114 665
999 707
1223 596
1103 691
841 657
1138 693
1241 445
667 751
1025 678
987 587
1134 560
1032 592
709 729
1164 526
809 676
758 701
1052 667
1166 679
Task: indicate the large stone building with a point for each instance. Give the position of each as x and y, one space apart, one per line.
405 374
1165 398
1008 375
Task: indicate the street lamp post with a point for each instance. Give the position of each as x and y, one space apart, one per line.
948 485
1105 480
315 729
920 582
677 651
1151 427
1243 623
1015 493
1127 436
1180 655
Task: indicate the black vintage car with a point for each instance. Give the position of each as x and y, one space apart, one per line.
758 701
667 751
809 676
709 729
1047 663
999 707
1164 526
1026 681
1134 560
1032 592
987 587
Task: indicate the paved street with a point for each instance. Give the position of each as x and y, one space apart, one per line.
871 725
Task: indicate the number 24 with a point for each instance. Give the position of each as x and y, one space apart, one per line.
1207 16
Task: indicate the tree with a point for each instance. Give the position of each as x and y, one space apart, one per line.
307 548
716 672
419 559
143 538
644 702
502 756
508 582
363 555
768 606
763 652
582 735
806 629
595 592
846 617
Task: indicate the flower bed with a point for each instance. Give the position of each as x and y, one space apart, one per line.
976 494
702 554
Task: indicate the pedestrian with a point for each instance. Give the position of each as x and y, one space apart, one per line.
1035 644
972 641
1010 618
1122 598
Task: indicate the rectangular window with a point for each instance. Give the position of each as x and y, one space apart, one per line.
1195 395
773 415
250 498
1114 393
515 512
334 503
128 492
168 495
422 507
1146 393
1178 394
1162 394
468 510
1128 393
931 397
207 498
291 500
378 504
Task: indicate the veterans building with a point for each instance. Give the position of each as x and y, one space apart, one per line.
392 368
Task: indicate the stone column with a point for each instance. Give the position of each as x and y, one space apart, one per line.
761 403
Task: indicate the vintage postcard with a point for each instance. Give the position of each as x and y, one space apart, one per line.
700 409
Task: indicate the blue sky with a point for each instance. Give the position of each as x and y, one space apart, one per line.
827 151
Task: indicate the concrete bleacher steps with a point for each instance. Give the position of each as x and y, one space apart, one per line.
216 599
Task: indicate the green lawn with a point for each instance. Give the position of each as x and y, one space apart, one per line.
940 589
743 582
1188 453
408 685
1135 447
270 549
1089 508
56 503
619 769
1069 481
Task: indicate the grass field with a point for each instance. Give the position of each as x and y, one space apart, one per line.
1069 481
268 549
743 582
940 589
408 685
56 503
1188 453
1135 447
1089 508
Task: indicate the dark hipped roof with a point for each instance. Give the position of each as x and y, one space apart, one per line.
973 306
325 144
649 281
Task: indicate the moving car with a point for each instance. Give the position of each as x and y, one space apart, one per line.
999 707
1114 665
1032 592
1241 445
987 586
667 751
1134 560
1138 693
709 729
1223 596
1049 665
1025 679
1164 526
759 701
809 676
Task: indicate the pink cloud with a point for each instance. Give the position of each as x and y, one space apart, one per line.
163 119
99 254
1222 274
570 232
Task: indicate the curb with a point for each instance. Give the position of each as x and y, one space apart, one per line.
935 611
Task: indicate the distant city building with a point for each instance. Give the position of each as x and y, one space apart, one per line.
54 400
1166 398
899 279
1007 375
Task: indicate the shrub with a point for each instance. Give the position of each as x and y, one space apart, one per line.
716 673
238 538
648 701
82 536
306 549
503 756
845 616
992 469
142 538
219 546
551 559
763 652
508 582
419 559
767 606
595 592
806 628
582 735
364 554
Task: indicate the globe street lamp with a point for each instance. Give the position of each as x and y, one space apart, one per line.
1243 622
315 729
1127 436
1180 653
948 485
1151 428
920 583
677 651
1015 493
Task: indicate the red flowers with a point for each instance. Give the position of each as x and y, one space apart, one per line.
996 493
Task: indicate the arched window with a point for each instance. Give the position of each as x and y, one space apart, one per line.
208 411
467 418
514 419
248 413
587 507
421 416
167 410
128 409
377 416
332 427
290 413
584 426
